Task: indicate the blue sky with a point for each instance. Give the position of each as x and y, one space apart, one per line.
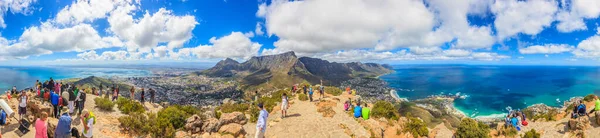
534 32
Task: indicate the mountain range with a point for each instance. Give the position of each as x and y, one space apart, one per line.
287 69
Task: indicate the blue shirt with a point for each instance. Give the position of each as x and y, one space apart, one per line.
357 111
63 128
54 98
310 91
514 122
262 120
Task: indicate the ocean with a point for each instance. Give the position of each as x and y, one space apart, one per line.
24 77
489 90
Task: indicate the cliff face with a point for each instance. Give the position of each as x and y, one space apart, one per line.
288 66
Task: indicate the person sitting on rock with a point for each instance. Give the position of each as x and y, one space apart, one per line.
515 122
357 111
581 109
365 112
347 105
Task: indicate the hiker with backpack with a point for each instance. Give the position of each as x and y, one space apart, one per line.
80 100
88 120
54 100
72 97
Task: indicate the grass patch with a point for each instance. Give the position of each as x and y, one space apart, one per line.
550 115
271 101
470 128
532 134
589 97
164 123
127 106
333 91
416 127
302 97
508 131
104 104
384 109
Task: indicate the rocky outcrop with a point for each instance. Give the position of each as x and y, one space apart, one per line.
211 125
597 117
580 123
233 129
194 124
235 117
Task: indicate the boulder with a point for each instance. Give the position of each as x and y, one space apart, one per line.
194 124
51 128
235 117
580 123
211 125
234 129
36 108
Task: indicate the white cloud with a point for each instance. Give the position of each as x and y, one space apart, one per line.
588 48
546 49
571 16
303 27
528 17
160 51
369 55
424 50
47 38
150 30
234 45
15 6
259 30
88 10
107 55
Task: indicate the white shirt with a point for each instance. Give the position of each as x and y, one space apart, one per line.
90 123
262 120
23 102
284 101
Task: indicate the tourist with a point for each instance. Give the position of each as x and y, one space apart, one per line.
581 109
115 94
81 100
132 91
357 111
14 90
261 124
72 97
304 89
100 92
142 96
35 85
310 94
23 99
596 106
515 123
284 105
152 94
41 126
51 84
88 120
63 128
348 90
347 105
64 99
57 87
322 91
365 112
256 96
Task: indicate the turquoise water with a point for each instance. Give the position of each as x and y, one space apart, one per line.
490 89
23 77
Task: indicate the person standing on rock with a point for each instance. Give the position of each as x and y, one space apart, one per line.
261 124
115 94
63 128
132 91
72 97
142 94
284 105
310 92
152 94
81 101
100 91
23 99
41 126
54 101
256 96
322 91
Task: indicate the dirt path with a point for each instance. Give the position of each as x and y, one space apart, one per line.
304 121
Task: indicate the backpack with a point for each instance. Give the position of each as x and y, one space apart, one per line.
60 101
82 96
2 118
524 123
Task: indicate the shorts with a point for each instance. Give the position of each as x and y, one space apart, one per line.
284 107
22 110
